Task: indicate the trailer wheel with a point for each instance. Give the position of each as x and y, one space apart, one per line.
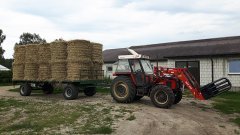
138 98
162 96
178 96
70 92
122 90
47 88
89 91
25 89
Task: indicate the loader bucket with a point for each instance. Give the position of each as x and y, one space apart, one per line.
215 88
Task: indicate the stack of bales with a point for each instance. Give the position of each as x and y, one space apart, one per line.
97 59
31 62
19 61
79 60
58 60
44 53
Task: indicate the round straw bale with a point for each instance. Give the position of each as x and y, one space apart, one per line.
58 51
18 71
31 71
19 54
78 71
44 53
97 70
58 71
31 55
78 51
44 72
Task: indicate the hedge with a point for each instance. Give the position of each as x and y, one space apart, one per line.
5 76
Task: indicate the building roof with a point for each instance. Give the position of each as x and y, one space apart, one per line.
2 68
193 48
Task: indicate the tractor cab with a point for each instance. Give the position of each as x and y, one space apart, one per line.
137 67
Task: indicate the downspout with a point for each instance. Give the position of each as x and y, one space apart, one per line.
212 64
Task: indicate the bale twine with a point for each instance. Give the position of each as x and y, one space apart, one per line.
44 72
18 71
78 51
44 53
97 52
58 71
79 71
31 71
31 55
19 54
58 51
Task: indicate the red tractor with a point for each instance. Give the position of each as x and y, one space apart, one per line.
135 78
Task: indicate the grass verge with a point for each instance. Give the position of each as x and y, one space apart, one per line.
228 103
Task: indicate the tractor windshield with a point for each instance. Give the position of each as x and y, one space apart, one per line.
147 66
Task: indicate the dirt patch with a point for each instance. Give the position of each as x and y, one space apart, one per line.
190 116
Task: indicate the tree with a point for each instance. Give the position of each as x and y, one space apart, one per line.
28 38
59 40
2 38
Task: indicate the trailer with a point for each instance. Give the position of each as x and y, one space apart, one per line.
71 88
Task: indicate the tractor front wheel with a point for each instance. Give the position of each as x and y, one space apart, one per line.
162 96
122 89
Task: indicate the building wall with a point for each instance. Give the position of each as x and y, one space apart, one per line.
220 69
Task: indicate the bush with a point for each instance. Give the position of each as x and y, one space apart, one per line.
5 76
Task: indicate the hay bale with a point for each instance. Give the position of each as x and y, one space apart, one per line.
58 71
78 71
31 55
18 71
97 52
19 54
44 72
58 51
31 71
97 71
78 51
44 53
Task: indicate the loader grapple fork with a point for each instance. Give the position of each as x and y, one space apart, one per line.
215 88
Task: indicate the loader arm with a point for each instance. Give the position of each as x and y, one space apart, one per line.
202 93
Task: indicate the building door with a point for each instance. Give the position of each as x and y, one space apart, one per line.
193 67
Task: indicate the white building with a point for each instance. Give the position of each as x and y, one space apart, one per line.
2 68
206 59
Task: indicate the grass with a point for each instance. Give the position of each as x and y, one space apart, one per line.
228 103
48 117
104 90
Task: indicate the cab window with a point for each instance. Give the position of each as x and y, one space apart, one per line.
123 66
136 67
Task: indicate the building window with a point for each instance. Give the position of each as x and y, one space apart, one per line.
109 69
234 66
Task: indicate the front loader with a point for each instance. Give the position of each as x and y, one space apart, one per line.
135 78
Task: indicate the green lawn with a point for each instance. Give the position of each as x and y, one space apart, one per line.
228 103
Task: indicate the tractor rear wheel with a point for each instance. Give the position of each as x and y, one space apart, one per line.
162 96
122 89
178 96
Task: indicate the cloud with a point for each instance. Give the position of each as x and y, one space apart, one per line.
119 23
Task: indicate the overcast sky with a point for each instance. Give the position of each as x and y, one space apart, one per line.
119 23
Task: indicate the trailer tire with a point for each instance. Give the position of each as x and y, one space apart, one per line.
122 89
47 88
162 96
25 89
89 91
178 96
70 92
137 98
